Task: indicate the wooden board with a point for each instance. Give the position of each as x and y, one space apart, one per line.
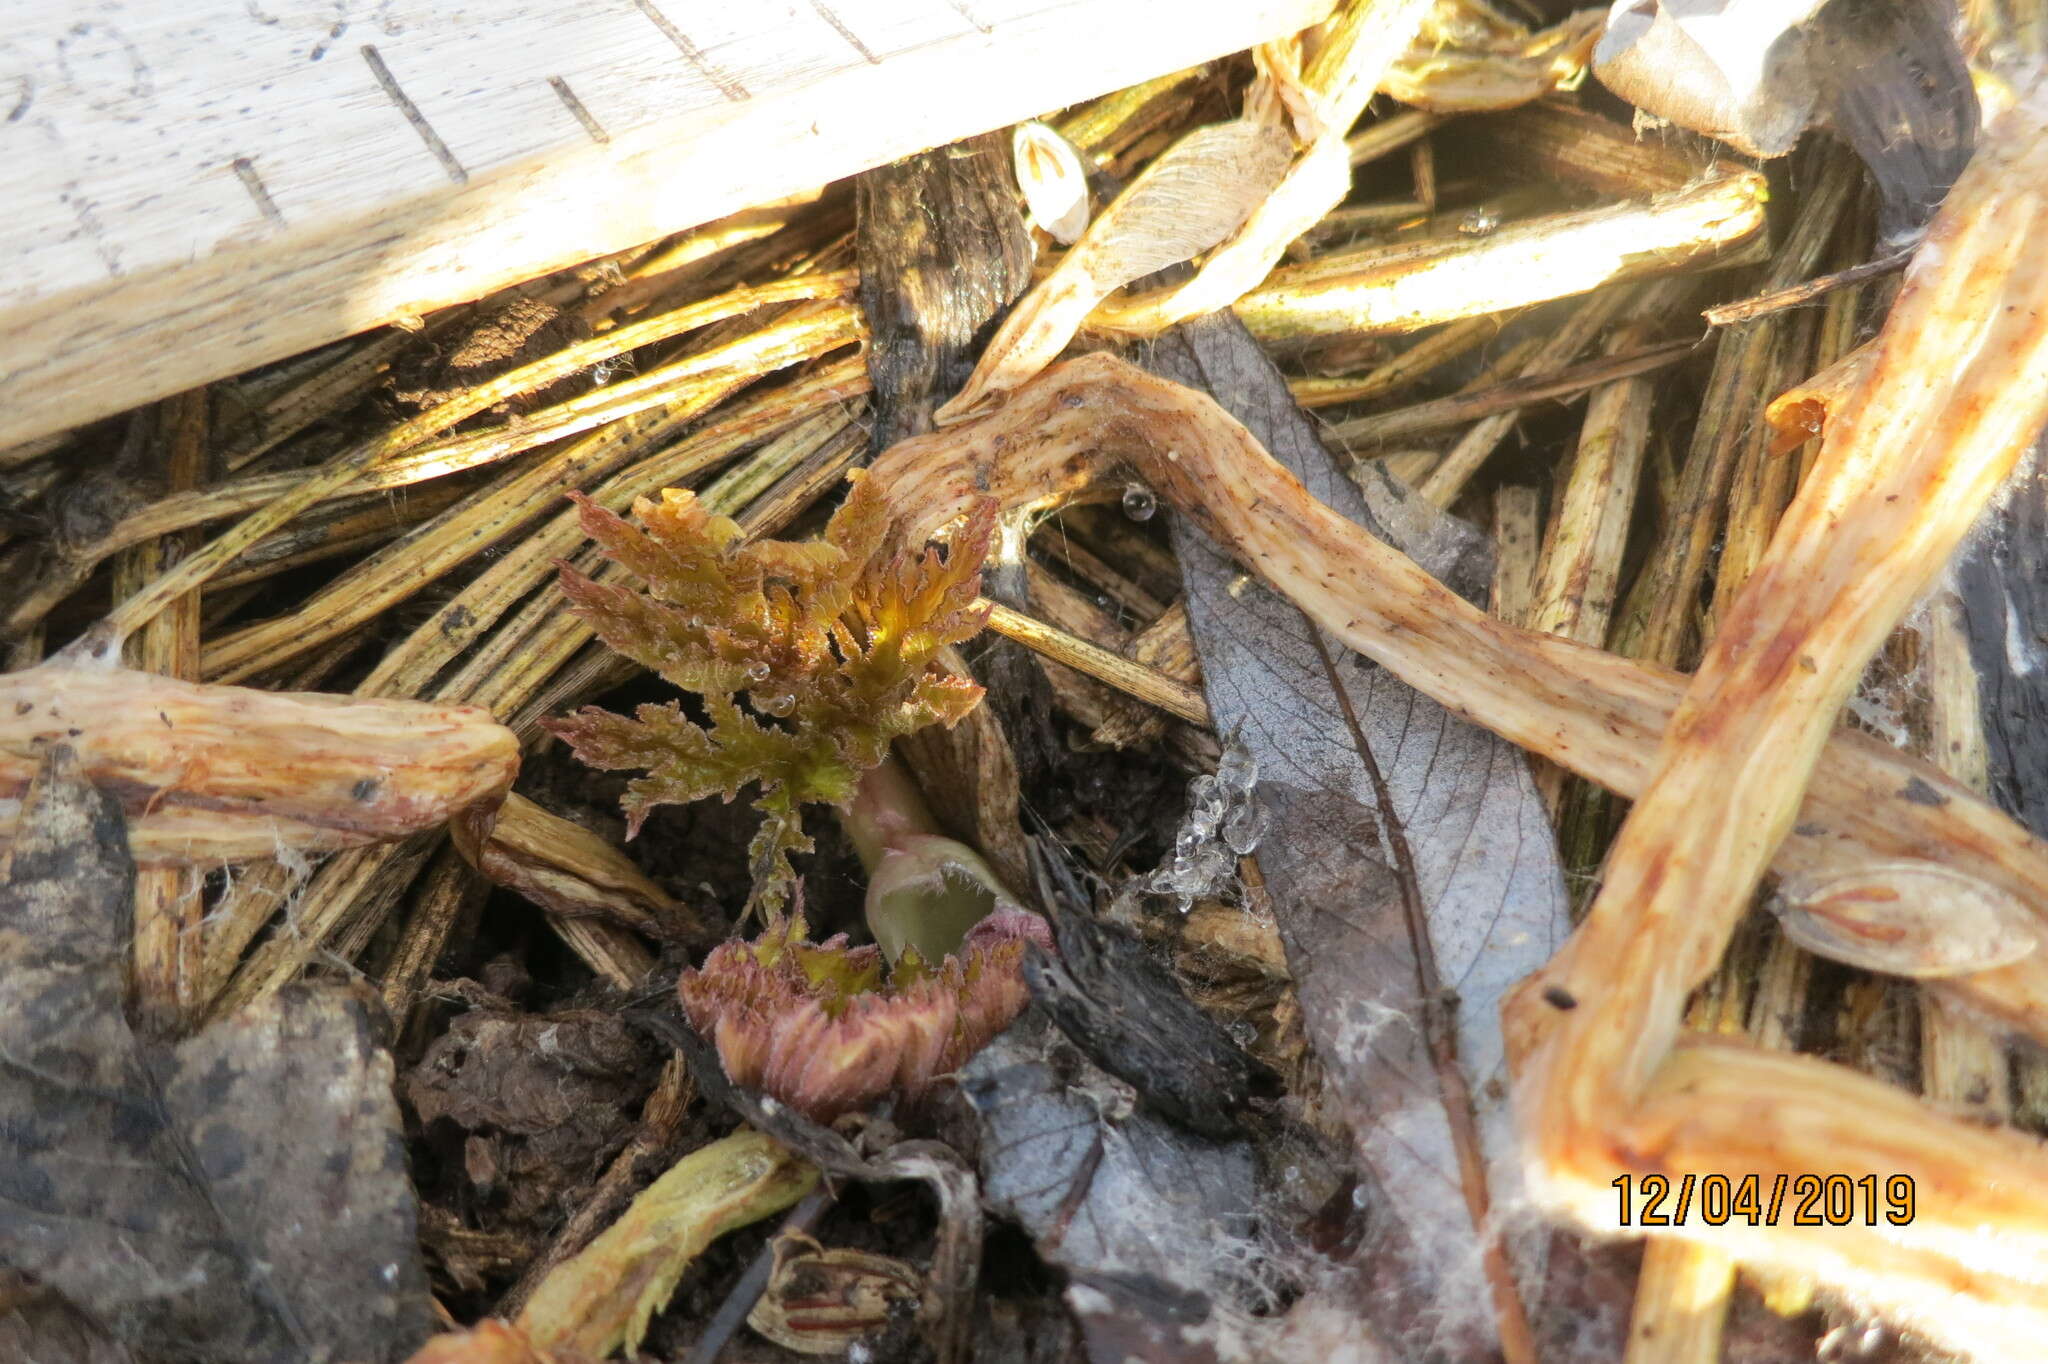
190 188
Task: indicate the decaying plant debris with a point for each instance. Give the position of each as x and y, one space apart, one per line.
226 774
1191 965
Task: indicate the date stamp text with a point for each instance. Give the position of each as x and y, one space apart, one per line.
1755 1201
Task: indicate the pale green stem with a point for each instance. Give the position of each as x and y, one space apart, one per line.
925 890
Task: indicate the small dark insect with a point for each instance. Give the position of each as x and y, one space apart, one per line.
1117 1003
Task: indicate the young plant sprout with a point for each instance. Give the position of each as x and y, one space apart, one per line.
833 644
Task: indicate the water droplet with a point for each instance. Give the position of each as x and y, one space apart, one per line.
1213 867
1244 827
758 671
1237 770
1480 222
1139 503
780 704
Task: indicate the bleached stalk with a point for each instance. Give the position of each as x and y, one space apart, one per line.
211 774
1953 397
1099 418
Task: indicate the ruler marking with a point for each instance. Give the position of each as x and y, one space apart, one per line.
959 7
95 232
839 26
245 171
413 116
576 107
25 95
692 54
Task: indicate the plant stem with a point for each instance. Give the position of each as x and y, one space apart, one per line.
925 889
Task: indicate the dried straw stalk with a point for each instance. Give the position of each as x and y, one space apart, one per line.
1608 1088
1101 419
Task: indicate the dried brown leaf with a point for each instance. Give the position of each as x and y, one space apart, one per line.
241 1199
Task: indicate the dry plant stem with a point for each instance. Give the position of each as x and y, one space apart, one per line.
226 774
1094 572
1581 565
1507 395
1605 1087
594 671
1682 1295
1744 363
564 867
1132 678
1799 414
1413 285
1791 296
1516 1342
1166 645
1071 612
1101 419
29 451
344 468
1517 536
1107 126
423 555
1760 487
614 955
800 487
449 893
366 883
1439 347
1392 133
285 414
1554 139
1359 46
689 258
1681 1302
169 902
335 530
1559 349
1962 1061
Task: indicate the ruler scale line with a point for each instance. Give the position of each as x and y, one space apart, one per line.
959 7
413 116
839 26
692 54
576 106
245 171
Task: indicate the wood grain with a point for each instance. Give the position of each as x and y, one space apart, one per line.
193 190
